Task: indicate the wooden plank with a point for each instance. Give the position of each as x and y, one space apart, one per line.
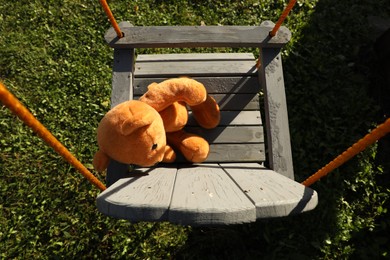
193 68
236 153
278 134
234 101
273 194
204 194
213 85
122 77
233 118
230 134
228 153
185 57
144 197
198 36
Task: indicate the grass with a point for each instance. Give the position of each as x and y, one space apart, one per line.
54 59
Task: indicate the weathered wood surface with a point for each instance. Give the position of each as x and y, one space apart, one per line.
236 153
122 76
206 194
229 134
209 68
198 36
234 102
235 118
146 196
275 105
213 85
190 57
272 193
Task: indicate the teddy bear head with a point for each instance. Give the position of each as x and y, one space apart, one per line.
131 133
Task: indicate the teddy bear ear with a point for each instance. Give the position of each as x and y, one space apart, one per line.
135 122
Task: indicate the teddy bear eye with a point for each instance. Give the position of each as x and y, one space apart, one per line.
154 147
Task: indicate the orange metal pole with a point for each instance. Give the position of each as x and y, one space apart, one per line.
282 17
25 115
358 147
108 12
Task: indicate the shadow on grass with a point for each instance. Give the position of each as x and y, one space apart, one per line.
327 76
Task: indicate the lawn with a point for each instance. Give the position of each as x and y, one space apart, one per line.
54 59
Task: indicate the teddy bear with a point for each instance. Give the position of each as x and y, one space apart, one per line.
147 131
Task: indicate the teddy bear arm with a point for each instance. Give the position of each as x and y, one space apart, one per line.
162 95
100 161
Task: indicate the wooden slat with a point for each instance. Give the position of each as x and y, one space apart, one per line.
185 57
204 194
234 101
146 196
236 153
230 134
198 36
213 85
278 134
228 153
193 68
273 194
233 118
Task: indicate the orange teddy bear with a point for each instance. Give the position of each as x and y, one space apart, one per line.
148 131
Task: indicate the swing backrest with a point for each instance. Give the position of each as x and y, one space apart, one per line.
231 78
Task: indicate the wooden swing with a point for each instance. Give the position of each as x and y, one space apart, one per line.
232 186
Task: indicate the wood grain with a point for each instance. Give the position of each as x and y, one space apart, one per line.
272 193
146 196
198 36
275 105
204 194
220 84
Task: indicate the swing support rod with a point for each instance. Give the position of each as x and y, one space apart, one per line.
111 17
348 154
25 115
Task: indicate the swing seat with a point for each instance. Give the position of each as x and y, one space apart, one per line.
232 186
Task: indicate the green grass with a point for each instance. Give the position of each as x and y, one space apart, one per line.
54 59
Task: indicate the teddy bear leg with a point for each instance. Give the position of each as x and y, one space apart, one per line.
193 147
207 113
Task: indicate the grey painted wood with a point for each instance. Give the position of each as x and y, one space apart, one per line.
236 153
278 134
185 57
234 102
204 194
122 77
198 36
213 85
122 73
146 196
230 134
233 118
227 153
272 193
116 171
209 68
